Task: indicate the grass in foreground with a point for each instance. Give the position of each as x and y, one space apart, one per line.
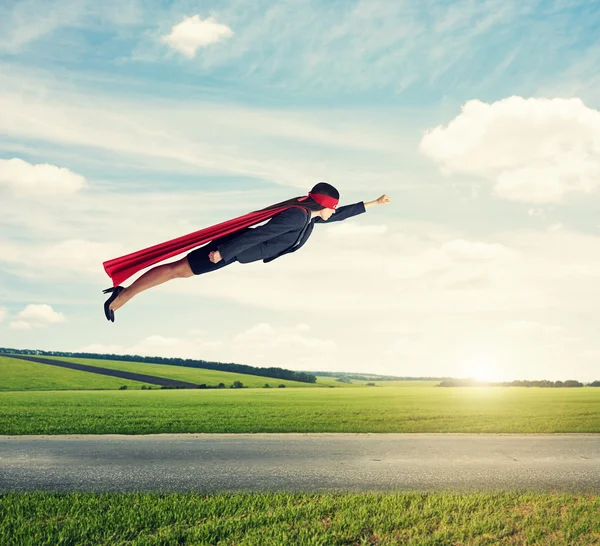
385 409
407 518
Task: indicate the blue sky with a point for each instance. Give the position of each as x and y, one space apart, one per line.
124 124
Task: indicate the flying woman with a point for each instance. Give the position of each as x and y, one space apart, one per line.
290 225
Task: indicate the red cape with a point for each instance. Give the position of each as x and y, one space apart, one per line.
120 269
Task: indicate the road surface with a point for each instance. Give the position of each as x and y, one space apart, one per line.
301 462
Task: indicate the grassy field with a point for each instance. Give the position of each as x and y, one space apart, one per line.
212 377
19 374
384 409
424 519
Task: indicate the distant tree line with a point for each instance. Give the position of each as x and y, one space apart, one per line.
275 373
234 385
517 383
374 377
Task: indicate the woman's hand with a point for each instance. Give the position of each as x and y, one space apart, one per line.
215 256
383 200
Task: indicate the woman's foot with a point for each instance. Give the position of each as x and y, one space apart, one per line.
109 312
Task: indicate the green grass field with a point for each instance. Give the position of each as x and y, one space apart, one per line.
19 374
384 409
282 519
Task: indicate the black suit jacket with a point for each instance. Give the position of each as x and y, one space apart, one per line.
285 232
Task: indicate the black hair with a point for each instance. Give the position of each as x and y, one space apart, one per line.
309 203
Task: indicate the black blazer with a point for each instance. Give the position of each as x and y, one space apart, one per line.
279 235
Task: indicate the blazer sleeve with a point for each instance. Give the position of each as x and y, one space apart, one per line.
292 219
344 212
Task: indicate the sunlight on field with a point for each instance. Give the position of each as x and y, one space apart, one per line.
368 409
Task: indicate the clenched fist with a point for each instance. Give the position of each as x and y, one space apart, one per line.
383 200
215 256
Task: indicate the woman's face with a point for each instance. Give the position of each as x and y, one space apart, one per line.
326 213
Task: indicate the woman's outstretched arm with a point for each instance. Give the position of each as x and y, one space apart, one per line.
383 200
348 211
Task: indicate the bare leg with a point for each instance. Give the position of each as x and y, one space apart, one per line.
153 277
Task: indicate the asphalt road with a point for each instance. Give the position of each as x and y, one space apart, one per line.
301 462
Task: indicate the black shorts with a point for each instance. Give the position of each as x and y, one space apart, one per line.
200 262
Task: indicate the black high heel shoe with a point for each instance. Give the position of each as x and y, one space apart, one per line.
109 313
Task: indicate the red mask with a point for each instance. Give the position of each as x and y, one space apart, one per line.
324 200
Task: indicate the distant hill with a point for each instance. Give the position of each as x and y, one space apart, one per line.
275 373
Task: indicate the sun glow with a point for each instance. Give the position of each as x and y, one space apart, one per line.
483 368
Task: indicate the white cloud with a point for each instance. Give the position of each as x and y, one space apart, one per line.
539 212
38 315
23 178
197 332
528 327
20 325
533 150
159 345
73 257
453 262
461 250
168 346
355 230
101 348
263 337
192 33
3 313
259 345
